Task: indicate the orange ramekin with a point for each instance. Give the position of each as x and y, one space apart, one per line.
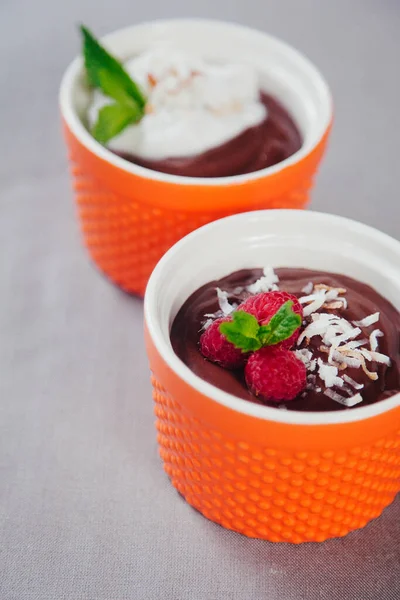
131 215
283 476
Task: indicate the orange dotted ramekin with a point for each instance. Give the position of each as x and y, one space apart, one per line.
272 474
130 215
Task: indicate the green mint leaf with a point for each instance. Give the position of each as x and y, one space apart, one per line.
101 68
112 119
242 331
281 326
110 86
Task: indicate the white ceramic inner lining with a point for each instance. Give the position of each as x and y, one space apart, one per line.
280 238
286 73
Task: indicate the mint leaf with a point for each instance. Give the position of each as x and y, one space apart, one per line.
102 68
242 331
110 86
112 119
281 326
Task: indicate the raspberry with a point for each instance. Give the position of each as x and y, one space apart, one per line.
275 374
215 347
263 306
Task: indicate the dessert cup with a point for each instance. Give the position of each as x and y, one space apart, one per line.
131 215
283 476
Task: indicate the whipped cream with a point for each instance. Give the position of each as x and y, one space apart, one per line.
193 105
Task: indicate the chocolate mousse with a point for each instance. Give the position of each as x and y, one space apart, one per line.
348 340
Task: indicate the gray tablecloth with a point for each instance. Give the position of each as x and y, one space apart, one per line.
86 512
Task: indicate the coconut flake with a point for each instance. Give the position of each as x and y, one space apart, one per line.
323 286
349 402
376 357
307 289
322 295
354 384
223 302
317 327
216 315
358 355
336 340
316 300
304 355
328 374
365 354
367 321
354 400
269 272
306 358
331 294
311 381
350 361
266 283
326 317
336 304
207 324
347 390
373 339
354 344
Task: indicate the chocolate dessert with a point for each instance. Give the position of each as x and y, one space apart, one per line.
272 141
348 338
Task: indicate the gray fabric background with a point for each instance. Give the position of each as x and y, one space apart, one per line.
86 512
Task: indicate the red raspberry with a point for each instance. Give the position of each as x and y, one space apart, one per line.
275 374
263 306
215 347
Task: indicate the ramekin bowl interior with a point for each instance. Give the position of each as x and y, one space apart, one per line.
277 238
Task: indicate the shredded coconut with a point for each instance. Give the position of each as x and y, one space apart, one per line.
355 344
336 304
304 355
376 357
341 341
373 339
207 324
349 402
350 361
328 374
322 295
266 283
367 321
307 289
223 302
353 383
358 355
316 300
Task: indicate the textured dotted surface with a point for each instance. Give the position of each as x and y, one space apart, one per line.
267 493
126 238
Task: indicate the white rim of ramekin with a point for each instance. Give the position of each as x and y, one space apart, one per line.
233 402
80 132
